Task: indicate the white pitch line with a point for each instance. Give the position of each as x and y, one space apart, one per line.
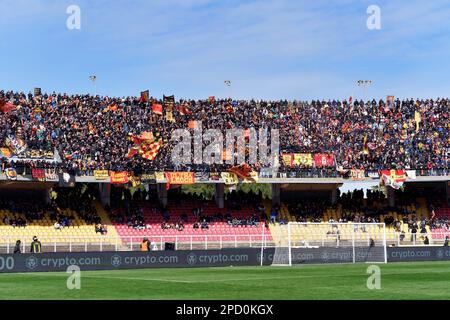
111 277
139 279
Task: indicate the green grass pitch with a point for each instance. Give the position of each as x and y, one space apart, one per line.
424 280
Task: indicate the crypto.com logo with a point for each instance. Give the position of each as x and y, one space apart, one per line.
31 262
192 259
116 261
242 146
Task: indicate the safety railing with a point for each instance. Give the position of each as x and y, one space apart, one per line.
205 242
132 243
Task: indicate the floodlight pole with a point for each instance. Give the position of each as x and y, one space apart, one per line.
364 84
93 78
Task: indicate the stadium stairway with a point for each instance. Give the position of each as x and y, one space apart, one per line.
112 232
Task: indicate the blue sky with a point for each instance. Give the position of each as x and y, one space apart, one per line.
292 49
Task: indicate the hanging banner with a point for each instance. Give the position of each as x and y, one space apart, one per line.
393 178
229 178
101 174
323 160
160 177
202 176
373 174
288 159
135 180
303 159
148 178
119 177
50 174
357 175
38 174
180 177
214 176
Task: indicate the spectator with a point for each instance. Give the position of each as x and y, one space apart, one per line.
17 247
145 245
36 246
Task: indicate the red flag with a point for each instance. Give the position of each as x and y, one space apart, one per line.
184 110
157 109
6 106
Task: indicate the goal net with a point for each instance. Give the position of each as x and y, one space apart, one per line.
300 243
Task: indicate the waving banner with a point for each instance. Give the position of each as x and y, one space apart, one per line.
157 109
145 96
169 102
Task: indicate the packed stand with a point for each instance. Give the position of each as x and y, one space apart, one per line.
92 132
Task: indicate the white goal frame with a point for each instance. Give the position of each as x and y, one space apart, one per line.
353 227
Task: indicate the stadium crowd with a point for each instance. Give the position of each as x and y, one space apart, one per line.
92 132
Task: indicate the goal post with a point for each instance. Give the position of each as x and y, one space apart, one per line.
332 242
